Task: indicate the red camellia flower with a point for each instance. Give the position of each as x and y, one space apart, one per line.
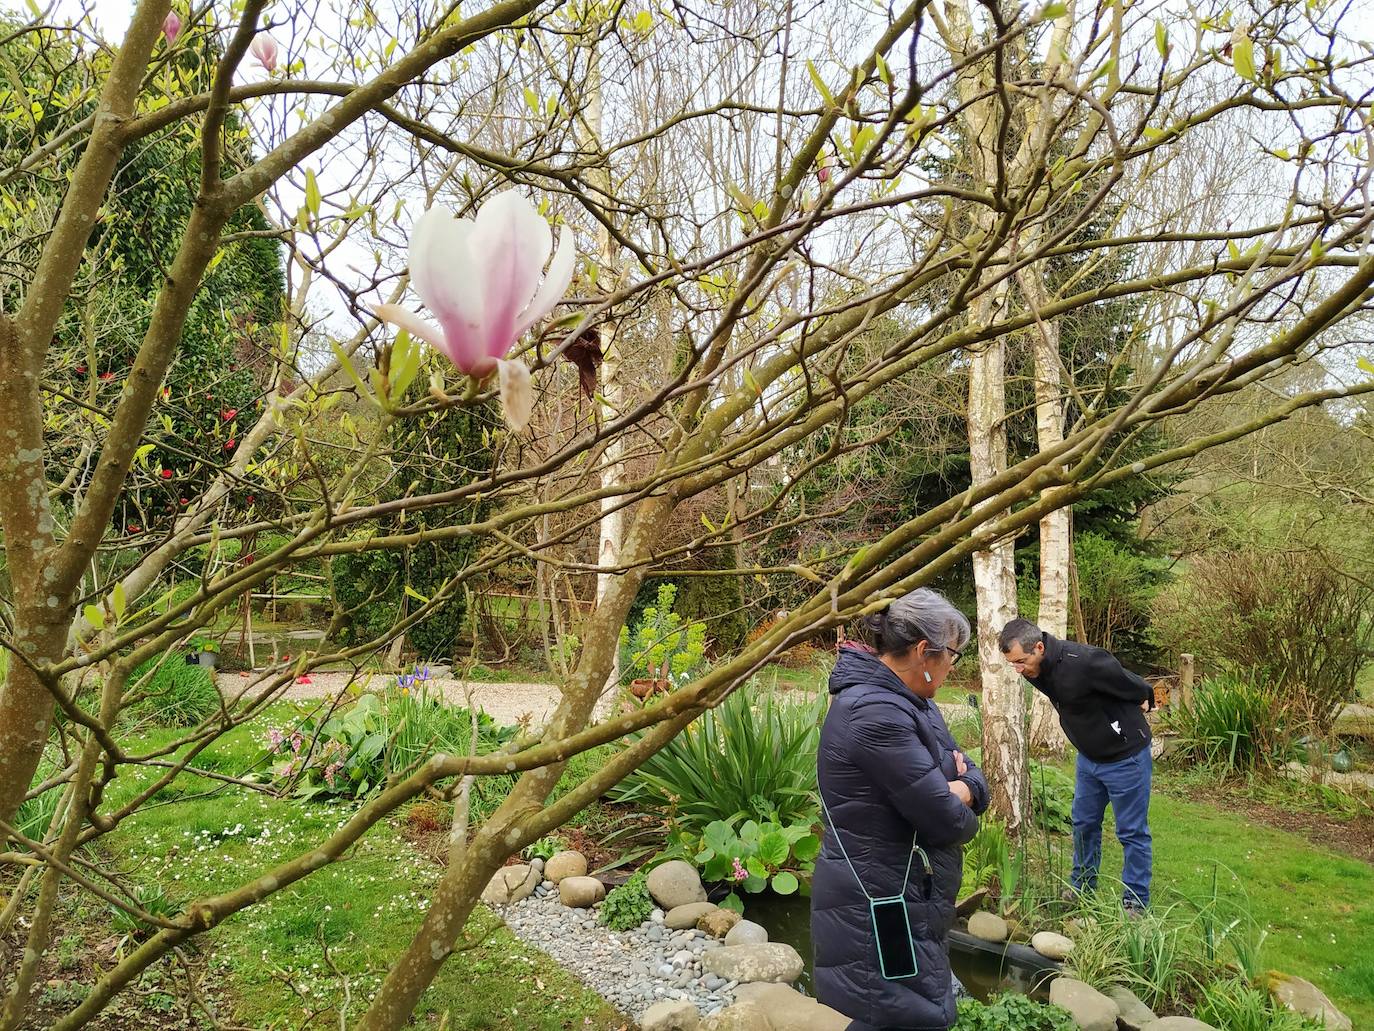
229 444
166 474
81 370
133 528
229 413
251 498
183 501
107 374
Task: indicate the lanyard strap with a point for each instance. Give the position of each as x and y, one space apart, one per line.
915 848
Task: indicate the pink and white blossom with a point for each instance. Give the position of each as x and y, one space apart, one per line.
171 26
264 48
481 280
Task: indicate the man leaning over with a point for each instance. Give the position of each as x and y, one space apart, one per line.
1102 709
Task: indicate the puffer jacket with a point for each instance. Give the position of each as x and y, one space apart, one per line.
885 763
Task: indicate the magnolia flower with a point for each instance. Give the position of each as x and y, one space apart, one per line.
171 26
264 48
480 279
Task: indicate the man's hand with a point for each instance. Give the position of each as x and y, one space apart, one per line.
960 790
960 763
1145 705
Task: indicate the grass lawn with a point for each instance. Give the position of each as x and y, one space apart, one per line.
291 961
1317 905
815 676
363 910
1364 684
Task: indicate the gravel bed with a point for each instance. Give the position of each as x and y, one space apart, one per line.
631 969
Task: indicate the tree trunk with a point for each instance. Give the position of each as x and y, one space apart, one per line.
994 577
611 531
1056 543
994 570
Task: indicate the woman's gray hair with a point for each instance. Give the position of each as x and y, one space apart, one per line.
923 615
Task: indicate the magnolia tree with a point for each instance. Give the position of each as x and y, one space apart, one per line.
743 196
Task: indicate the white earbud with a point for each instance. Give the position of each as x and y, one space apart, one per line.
926 673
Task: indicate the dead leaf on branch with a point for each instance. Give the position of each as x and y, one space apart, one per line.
585 353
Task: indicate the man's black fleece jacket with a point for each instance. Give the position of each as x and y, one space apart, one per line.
1098 701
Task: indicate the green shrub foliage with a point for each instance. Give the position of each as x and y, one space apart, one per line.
215 383
1291 620
436 452
662 642
752 757
715 601
1012 1012
629 905
1231 723
174 693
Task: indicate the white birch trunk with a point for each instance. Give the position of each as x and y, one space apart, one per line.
994 569
994 578
611 530
1046 735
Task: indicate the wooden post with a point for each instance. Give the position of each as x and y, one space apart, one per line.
1185 679
248 622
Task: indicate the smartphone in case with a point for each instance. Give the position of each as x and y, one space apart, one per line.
892 933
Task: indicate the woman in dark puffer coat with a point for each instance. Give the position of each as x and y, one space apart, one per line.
890 774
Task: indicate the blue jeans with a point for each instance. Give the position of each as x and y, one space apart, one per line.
1126 784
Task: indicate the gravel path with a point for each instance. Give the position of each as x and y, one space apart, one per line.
505 703
631 969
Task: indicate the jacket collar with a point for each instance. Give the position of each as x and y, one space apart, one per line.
861 667
1054 651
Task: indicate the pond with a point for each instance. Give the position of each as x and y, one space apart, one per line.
788 920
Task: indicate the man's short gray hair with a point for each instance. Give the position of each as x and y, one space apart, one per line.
1022 632
923 615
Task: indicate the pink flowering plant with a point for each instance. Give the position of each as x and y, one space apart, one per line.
756 857
351 752
339 755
